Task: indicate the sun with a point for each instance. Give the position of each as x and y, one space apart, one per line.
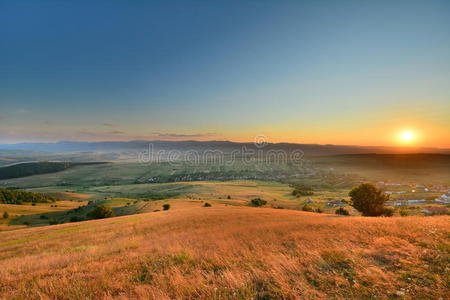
407 136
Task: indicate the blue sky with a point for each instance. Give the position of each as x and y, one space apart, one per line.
300 71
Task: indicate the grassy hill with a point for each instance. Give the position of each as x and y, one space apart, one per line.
223 252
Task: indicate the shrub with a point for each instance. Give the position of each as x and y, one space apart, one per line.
43 217
342 211
404 212
207 204
5 215
101 212
319 210
306 207
258 202
368 199
53 221
302 190
387 212
26 223
166 206
33 204
228 197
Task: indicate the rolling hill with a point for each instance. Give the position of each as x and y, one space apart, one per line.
224 252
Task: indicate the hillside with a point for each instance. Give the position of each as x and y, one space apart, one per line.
229 252
35 168
9 196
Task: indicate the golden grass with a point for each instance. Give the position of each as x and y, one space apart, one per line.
27 209
224 252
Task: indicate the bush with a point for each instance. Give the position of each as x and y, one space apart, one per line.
53 222
258 202
342 211
33 204
5 215
26 223
166 206
228 197
368 199
43 217
101 212
302 190
306 207
207 204
387 212
319 210
404 212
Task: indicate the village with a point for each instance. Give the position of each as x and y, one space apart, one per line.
435 197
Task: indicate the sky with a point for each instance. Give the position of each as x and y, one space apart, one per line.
327 72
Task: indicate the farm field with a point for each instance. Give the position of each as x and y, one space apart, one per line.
228 252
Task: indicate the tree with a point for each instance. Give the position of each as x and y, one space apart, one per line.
258 202
368 199
5 215
101 211
166 206
342 211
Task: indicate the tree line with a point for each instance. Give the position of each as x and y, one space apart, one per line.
9 196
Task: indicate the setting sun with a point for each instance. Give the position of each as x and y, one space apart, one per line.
407 136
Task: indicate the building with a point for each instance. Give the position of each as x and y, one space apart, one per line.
445 198
435 210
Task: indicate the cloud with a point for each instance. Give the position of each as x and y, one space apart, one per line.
116 132
108 124
179 135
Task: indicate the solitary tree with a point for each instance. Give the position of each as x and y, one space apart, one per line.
368 199
5 215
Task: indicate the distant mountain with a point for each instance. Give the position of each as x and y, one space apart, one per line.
226 146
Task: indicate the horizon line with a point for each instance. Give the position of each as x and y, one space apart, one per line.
228 141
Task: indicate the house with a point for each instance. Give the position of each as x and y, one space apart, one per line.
397 203
445 198
435 210
334 203
416 201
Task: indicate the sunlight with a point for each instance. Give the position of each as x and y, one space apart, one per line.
407 136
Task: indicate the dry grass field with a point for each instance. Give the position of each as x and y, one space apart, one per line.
229 252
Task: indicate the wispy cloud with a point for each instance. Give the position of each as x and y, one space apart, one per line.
108 124
180 135
116 132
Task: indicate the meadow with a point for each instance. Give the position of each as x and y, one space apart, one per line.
222 252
